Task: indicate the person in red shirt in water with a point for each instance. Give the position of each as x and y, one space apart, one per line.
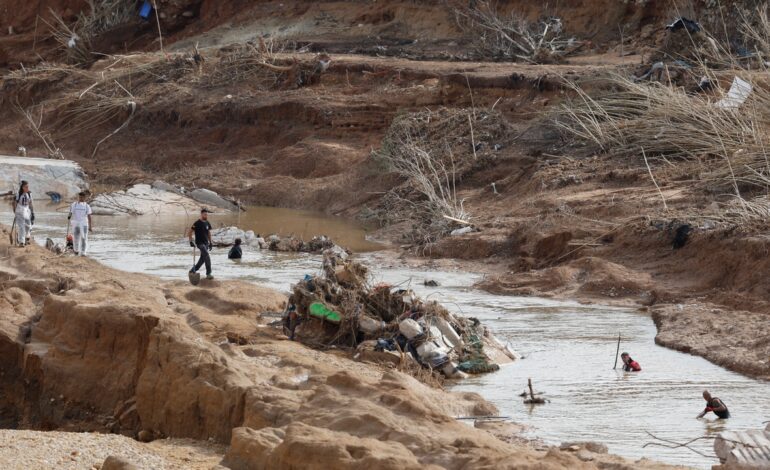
629 365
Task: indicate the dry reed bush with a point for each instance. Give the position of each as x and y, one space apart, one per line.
433 150
430 171
512 37
76 39
726 143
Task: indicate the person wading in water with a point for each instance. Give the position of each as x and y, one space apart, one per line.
202 231
716 405
630 365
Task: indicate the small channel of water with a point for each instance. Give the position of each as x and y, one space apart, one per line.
569 348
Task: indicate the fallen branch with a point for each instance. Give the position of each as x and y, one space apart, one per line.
132 105
677 445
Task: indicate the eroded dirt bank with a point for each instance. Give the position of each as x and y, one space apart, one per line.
85 347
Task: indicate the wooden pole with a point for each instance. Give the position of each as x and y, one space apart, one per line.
531 393
616 354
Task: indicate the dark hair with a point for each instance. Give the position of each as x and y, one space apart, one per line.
237 241
82 194
21 186
625 354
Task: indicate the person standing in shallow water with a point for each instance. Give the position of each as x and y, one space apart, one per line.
80 218
629 365
716 405
201 229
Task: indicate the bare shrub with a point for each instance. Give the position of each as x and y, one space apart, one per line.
431 172
512 37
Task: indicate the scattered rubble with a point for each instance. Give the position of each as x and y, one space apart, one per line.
387 323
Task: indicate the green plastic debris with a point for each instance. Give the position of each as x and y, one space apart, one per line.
319 310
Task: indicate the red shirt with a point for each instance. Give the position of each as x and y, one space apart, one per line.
633 366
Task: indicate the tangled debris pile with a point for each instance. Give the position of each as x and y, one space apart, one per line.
388 324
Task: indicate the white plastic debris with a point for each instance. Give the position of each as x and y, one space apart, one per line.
461 231
409 328
73 41
736 96
370 325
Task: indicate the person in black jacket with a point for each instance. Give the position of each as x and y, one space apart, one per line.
202 231
236 252
716 405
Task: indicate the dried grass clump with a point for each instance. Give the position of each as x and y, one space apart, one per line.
249 63
731 143
717 136
512 37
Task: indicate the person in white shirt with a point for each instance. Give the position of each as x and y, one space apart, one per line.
80 217
24 214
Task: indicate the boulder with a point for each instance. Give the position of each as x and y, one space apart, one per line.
44 175
210 198
117 463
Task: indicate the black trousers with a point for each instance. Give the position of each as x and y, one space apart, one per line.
204 258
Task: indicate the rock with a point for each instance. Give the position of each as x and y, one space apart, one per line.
208 197
248 447
163 186
264 449
44 175
145 436
590 446
143 199
226 236
461 231
117 463
430 283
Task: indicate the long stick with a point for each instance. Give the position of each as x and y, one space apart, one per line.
531 392
157 20
13 226
665 206
616 354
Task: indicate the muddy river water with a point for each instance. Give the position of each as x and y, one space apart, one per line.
568 348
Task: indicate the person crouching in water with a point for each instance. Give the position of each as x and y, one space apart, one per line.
24 214
80 218
629 365
716 405
202 231
236 252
